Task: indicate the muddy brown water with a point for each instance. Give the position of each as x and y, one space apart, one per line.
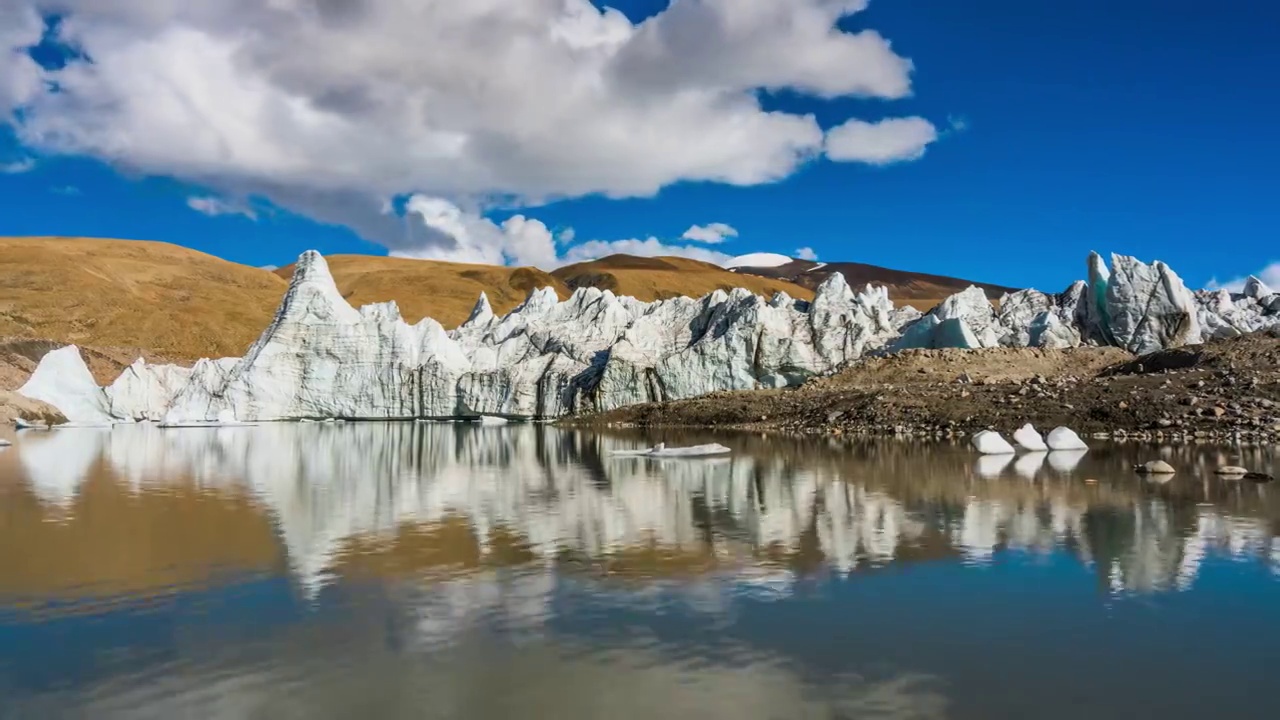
454 571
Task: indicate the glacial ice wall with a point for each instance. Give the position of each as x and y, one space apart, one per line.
321 358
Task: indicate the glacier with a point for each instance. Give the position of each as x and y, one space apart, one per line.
321 359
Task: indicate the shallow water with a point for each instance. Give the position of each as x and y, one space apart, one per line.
450 571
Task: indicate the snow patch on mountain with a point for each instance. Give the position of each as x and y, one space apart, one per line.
758 260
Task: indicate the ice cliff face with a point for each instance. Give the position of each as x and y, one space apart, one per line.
64 381
321 358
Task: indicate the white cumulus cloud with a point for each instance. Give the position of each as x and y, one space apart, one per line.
21 27
458 235
1269 275
880 143
710 234
215 206
329 108
806 253
647 247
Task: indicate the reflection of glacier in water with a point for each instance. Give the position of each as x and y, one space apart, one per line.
549 496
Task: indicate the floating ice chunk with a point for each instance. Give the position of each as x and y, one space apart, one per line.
492 421
1029 439
989 442
21 424
1065 439
662 451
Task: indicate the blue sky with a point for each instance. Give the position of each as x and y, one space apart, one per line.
1065 127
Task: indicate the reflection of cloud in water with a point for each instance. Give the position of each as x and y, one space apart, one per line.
753 520
633 679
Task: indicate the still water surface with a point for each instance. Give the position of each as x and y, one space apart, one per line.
450 571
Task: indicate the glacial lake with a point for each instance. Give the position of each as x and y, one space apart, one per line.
407 570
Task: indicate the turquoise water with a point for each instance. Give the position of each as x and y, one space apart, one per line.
451 571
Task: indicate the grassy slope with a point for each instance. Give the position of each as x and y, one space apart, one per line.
163 300
651 279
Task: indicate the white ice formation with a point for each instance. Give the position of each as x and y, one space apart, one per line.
320 358
989 442
1029 439
662 451
64 381
1065 439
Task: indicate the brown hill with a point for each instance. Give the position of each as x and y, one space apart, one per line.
919 290
430 288
132 298
660 278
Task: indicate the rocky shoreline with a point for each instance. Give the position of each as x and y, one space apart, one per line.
1221 391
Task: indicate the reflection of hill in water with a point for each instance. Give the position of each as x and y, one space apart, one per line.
374 500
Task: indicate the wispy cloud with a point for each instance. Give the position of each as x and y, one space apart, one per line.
1269 275
215 206
67 190
648 247
18 166
806 253
459 235
886 142
710 234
